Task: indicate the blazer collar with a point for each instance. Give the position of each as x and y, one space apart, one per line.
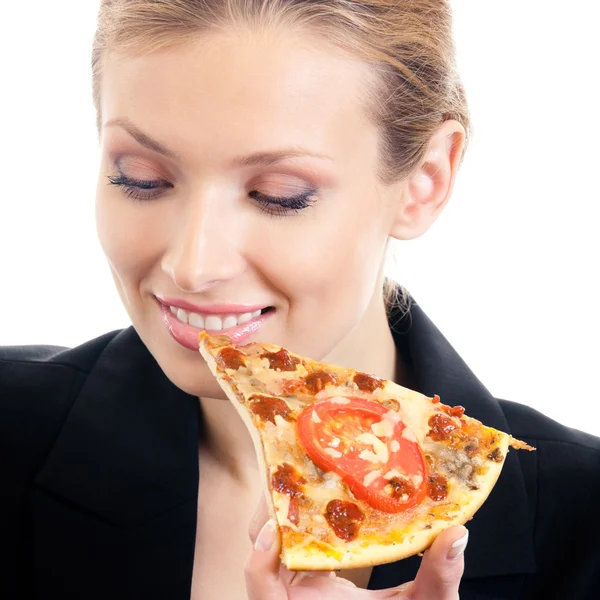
501 539
128 450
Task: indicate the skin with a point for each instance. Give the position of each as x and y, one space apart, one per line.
213 104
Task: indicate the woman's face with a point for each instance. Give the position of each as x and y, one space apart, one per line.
243 195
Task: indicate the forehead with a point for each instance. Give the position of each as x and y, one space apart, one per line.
242 91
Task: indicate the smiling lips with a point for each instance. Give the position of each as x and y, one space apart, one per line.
185 321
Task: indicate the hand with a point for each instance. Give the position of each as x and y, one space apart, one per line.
267 579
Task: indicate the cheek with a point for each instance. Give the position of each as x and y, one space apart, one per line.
131 235
329 257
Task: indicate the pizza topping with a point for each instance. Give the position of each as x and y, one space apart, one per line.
344 518
435 399
230 358
333 453
343 442
287 480
367 383
315 382
384 428
315 417
339 400
454 411
393 473
472 447
392 404
441 427
281 360
371 477
380 450
291 387
496 455
294 510
438 487
267 408
400 487
409 435
417 480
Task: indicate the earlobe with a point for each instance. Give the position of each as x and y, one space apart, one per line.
427 190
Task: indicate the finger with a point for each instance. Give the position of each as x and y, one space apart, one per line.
262 569
260 517
442 567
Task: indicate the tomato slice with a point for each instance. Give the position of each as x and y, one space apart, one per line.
338 435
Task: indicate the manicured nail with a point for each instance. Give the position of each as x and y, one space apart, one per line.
266 536
458 547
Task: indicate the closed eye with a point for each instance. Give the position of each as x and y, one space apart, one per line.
145 190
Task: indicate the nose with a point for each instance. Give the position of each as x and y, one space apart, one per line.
204 247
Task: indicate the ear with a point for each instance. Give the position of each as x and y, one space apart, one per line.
427 190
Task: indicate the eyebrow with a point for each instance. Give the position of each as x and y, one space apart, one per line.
252 160
141 138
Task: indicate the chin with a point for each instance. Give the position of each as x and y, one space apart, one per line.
192 376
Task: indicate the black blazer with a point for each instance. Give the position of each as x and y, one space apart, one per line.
99 479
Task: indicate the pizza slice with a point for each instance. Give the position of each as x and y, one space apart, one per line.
358 470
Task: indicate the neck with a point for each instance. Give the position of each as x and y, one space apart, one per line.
369 347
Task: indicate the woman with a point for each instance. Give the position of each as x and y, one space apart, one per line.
257 157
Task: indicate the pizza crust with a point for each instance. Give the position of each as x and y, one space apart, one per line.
255 435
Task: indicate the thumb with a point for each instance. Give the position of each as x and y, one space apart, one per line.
442 566
263 581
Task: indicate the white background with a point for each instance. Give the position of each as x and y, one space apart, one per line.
509 273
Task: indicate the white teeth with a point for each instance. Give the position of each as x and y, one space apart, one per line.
229 322
244 318
196 321
213 323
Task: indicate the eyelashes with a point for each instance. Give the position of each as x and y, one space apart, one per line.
138 189
145 190
280 205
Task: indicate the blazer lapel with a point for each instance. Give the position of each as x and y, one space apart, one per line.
121 484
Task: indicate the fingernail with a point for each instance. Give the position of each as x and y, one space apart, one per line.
266 536
458 548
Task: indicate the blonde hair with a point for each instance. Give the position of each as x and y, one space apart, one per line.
408 43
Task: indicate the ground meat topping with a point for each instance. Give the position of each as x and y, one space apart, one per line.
230 358
344 518
367 383
496 455
267 408
472 447
315 382
438 487
281 360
